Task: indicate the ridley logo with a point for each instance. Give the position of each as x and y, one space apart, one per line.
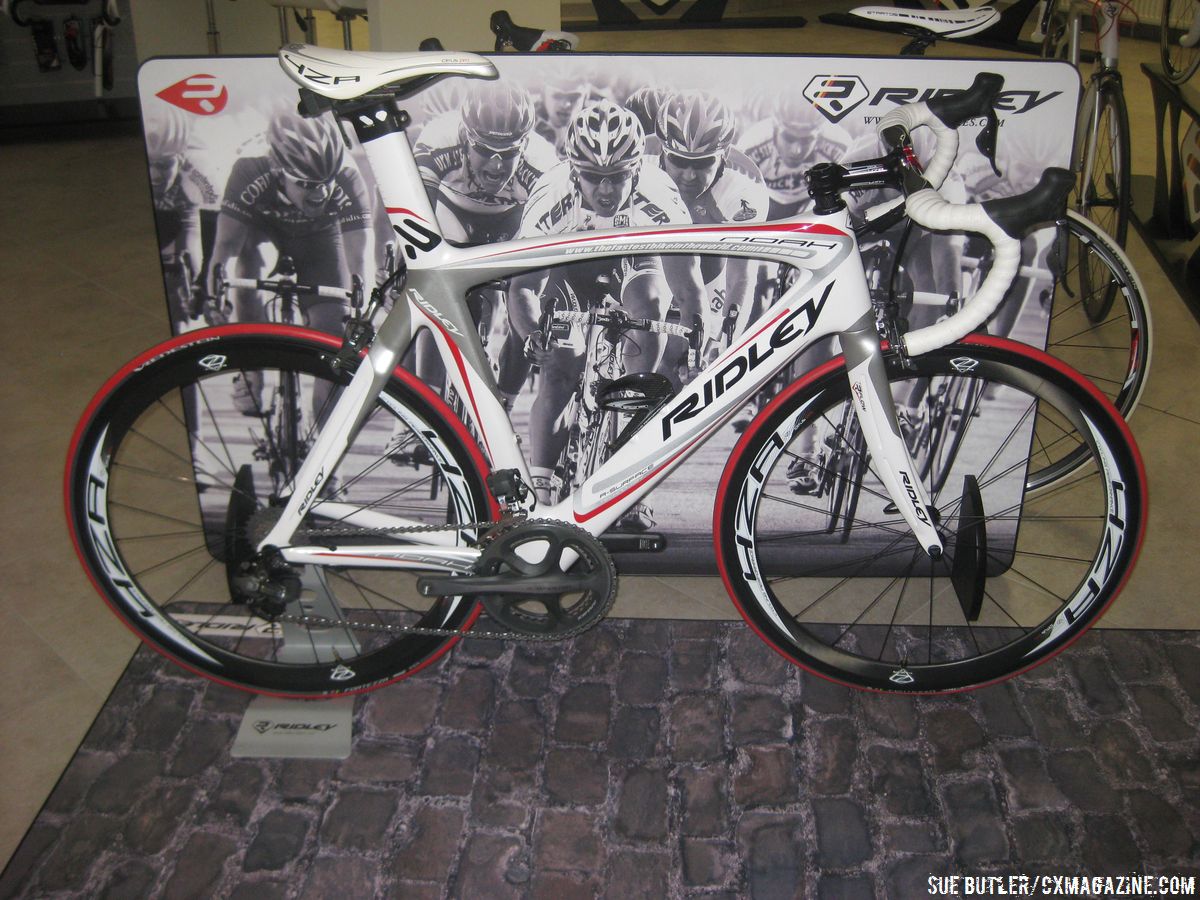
792 326
912 496
265 725
835 96
203 95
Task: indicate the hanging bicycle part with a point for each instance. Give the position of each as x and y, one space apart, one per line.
102 55
109 11
74 36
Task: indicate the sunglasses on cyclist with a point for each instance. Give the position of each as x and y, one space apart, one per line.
309 184
691 162
619 177
487 151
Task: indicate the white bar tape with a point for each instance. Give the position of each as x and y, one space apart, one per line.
928 209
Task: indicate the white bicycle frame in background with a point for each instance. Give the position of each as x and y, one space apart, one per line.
1107 21
830 298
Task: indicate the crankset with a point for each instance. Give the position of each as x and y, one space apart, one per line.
522 584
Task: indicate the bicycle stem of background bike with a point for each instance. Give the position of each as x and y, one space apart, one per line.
829 298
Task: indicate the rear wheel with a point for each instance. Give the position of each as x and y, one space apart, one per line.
1100 320
1025 571
1053 28
170 487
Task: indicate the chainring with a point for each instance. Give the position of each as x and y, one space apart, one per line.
549 616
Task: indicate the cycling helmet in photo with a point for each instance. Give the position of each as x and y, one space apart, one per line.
796 113
497 114
311 149
168 130
645 103
605 137
695 124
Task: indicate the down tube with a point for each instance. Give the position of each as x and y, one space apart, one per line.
805 314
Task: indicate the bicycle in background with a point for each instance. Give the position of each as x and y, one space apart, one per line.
1179 39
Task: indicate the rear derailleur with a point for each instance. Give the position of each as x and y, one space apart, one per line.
266 584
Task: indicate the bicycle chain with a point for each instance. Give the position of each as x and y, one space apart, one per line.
490 531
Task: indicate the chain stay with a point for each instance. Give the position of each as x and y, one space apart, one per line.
490 530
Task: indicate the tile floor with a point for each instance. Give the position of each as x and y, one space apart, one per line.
81 286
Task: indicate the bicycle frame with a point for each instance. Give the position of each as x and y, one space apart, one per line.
1107 23
829 298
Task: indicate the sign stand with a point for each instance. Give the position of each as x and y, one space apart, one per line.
277 727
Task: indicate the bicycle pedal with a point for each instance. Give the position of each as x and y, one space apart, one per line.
628 542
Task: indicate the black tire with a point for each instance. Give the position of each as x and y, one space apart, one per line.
855 612
1102 161
1114 349
151 500
1179 63
1054 24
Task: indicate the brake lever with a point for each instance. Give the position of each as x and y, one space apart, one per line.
987 138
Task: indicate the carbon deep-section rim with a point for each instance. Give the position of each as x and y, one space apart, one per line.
164 462
875 612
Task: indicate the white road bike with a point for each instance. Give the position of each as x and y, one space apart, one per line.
359 574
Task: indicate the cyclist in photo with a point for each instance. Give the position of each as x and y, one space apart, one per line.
306 198
479 164
560 98
603 183
695 131
179 190
786 144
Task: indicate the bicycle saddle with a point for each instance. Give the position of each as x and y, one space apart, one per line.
346 74
953 23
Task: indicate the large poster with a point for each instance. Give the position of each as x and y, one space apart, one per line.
739 134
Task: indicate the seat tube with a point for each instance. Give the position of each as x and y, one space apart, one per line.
381 131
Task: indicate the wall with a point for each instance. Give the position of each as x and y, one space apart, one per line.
462 25
180 27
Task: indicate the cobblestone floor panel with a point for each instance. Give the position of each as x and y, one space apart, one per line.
663 759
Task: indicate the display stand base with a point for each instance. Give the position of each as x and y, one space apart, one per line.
304 729
296 729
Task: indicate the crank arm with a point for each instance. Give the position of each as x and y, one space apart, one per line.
550 584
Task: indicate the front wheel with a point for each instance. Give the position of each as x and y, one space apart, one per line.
1026 569
174 478
1102 166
